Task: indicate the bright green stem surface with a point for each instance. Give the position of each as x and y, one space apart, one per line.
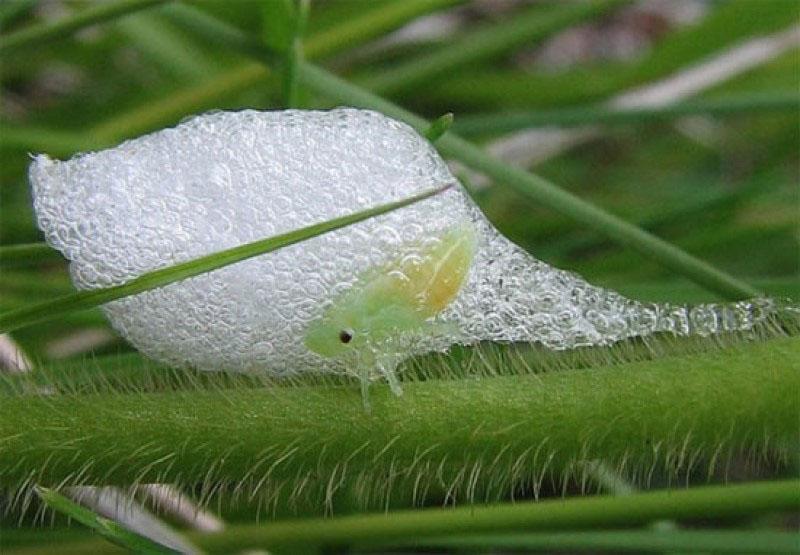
581 513
466 439
97 13
61 306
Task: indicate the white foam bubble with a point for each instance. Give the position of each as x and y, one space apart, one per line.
227 178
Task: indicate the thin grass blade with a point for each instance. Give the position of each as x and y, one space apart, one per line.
744 104
61 306
638 541
109 529
601 511
97 13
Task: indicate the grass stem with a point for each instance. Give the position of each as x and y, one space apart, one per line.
744 104
35 35
572 514
638 541
81 300
485 42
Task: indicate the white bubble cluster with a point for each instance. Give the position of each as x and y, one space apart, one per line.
226 178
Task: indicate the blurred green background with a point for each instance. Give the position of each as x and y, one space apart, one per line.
713 167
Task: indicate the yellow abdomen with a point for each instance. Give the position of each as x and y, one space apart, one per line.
432 283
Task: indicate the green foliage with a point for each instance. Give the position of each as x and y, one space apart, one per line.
480 424
103 526
439 127
553 515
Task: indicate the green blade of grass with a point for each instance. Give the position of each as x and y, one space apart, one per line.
587 115
86 299
37 34
371 24
294 54
109 529
485 42
159 41
671 541
283 25
279 26
727 24
605 511
9 11
527 184
54 141
28 253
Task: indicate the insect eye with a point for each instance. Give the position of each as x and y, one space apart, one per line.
345 336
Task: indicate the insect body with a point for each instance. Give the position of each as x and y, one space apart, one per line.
369 322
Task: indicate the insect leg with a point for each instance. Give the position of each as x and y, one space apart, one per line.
386 366
363 376
365 364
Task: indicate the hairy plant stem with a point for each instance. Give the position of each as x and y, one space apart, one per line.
456 440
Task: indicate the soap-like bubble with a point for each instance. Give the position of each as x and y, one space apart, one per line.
227 178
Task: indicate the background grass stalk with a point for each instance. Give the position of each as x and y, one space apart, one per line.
582 513
295 54
638 541
743 104
38 34
27 253
490 40
169 109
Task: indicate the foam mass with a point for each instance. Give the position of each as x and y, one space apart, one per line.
226 178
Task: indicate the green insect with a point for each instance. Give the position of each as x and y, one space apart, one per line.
366 323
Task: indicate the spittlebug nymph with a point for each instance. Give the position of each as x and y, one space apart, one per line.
368 323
